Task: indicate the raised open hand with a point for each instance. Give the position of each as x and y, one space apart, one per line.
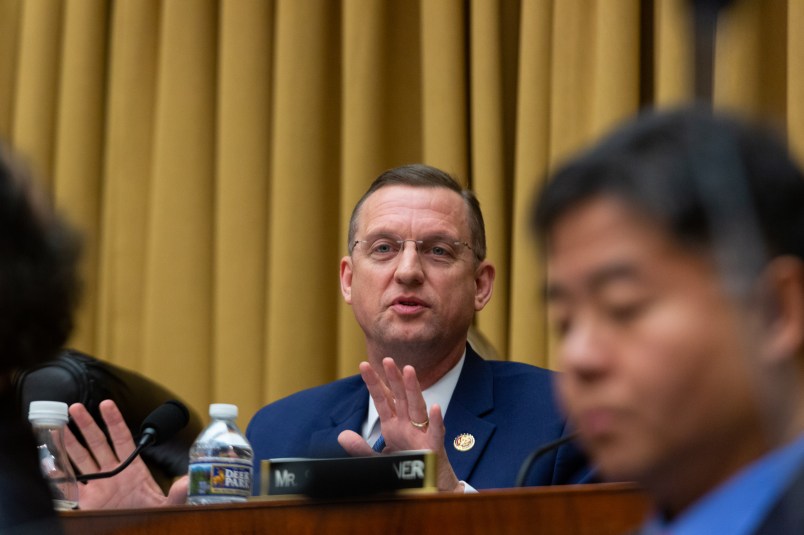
404 419
133 487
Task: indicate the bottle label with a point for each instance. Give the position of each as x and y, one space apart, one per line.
220 477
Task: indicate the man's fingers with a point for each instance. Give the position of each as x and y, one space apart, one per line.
437 423
397 386
417 407
383 399
119 433
95 439
78 454
354 444
177 494
447 480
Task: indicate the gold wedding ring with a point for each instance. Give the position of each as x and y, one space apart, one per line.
421 425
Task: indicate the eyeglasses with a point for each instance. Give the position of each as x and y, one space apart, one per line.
435 250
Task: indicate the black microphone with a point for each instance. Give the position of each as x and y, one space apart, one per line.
550 446
164 422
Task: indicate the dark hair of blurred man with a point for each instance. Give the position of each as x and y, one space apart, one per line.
38 292
676 285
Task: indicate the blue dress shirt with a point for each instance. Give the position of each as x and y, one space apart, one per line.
738 506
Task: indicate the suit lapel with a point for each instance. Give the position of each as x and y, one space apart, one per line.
347 414
472 399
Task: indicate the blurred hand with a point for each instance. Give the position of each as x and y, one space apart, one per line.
399 404
133 487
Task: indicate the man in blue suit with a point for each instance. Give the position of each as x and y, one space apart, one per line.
415 275
493 408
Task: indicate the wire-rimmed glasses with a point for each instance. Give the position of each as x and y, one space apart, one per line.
437 250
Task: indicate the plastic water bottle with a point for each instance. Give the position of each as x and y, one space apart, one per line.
48 419
221 460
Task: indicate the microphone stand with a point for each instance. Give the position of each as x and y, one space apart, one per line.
146 440
528 463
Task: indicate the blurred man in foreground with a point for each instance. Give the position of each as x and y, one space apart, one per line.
38 292
676 286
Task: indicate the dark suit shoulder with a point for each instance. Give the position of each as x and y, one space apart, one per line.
515 381
492 385
319 393
787 515
307 423
520 371
311 403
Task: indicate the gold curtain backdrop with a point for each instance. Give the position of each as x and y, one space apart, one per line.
211 152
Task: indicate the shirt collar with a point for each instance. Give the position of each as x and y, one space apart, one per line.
440 393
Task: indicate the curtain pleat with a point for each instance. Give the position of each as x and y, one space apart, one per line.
241 196
571 76
487 155
9 29
127 180
211 152
37 84
527 334
179 251
616 64
795 78
752 45
443 86
303 213
78 168
672 50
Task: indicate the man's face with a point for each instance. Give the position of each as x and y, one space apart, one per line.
414 304
656 359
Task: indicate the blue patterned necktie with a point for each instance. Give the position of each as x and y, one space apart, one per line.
379 445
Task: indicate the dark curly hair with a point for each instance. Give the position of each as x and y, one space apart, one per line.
39 285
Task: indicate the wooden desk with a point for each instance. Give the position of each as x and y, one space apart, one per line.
579 509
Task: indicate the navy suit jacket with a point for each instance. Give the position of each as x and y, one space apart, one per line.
507 407
787 515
